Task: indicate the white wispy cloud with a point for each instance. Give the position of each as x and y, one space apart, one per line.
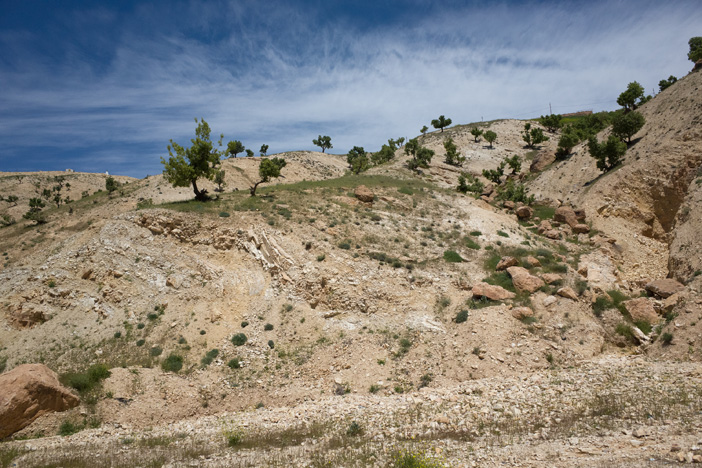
270 73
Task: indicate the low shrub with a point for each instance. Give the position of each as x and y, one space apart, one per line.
209 357
461 317
239 339
173 363
84 382
234 363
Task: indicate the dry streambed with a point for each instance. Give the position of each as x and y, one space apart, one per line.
616 411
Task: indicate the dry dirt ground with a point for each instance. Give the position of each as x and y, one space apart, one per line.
351 311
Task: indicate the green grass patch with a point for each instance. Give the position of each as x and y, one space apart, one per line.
86 381
543 211
470 243
501 278
452 257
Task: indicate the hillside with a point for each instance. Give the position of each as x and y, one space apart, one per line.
304 309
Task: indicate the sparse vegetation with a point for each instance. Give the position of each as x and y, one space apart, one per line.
173 363
239 339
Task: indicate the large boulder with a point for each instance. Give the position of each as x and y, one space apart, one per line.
664 287
642 308
566 214
524 212
494 293
542 160
27 392
364 194
523 280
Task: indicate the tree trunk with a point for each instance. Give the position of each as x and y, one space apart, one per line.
200 195
253 188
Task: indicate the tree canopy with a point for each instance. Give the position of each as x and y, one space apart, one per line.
235 147
264 150
186 165
632 97
695 53
442 122
267 170
551 122
453 157
533 136
421 156
608 154
476 132
490 137
357 159
665 84
323 142
626 125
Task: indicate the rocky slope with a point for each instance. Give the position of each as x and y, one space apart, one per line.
386 301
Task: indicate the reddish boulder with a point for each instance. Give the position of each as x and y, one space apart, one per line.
664 287
642 308
523 280
542 160
27 392
581 229
522 312
364 194
566 214
551 278
494 293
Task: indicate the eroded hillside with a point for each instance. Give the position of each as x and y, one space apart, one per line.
398 293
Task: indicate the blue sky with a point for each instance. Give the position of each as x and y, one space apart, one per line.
103 86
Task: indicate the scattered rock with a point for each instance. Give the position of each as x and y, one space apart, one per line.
523 280
86 274
506 262
494 293
664 287
551 278
364 194
509 204
544 226
522 312
568 293
533 261
581 229
549 300
27 392
552 234
670 302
